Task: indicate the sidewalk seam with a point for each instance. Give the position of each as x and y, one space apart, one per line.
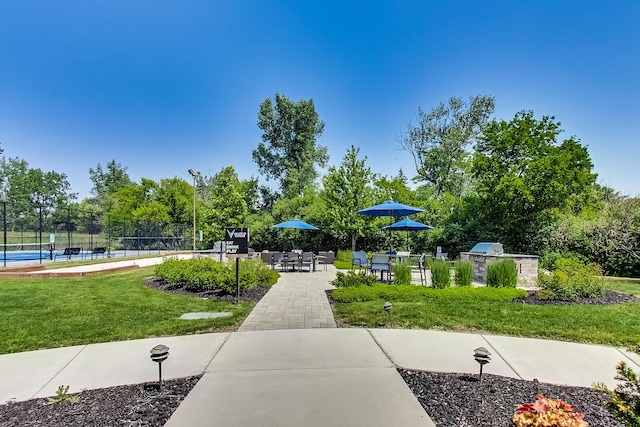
382 349
58 373
204 370
503 359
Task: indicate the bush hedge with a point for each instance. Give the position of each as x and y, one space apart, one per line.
401 273
502 274
440 274
352 278
205 274
571 279
411 293
463 273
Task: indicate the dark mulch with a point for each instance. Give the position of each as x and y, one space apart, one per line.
455 400
609 298
127 406
253 294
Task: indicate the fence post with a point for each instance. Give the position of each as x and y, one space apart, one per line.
108 235
40 229
4 225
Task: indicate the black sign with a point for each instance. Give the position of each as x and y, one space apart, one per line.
237 240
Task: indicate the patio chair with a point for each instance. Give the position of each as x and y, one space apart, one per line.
359 259
381 263
420 265
277 260
400 255
306 260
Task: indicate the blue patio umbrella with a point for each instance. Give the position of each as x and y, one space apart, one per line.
391 209
408 225
296 224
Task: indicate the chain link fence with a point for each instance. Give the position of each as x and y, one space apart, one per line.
36 233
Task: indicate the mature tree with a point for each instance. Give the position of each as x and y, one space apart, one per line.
177 195
288 151
28 189
227 208
524 175
106 183
347 189
440 141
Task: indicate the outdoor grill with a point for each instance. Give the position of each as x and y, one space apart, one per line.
494 249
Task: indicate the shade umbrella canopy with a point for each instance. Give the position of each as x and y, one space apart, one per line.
390 208
296 223
408 225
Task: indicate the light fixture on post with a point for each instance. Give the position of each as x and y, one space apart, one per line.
481 355
387 308
194 174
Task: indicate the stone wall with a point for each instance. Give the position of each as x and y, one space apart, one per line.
527 266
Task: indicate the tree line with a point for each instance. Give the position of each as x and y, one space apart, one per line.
478 178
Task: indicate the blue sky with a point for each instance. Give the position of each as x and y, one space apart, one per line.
164 86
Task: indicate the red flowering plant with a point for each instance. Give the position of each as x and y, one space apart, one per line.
548 413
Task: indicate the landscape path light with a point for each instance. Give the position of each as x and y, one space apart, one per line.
159 354
387 308
481 355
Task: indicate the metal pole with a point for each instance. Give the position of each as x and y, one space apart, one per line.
4 224
237 279
40 228
194 213
124 242
108 235
69 232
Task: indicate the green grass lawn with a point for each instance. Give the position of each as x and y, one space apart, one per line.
58 312
624 284
613 325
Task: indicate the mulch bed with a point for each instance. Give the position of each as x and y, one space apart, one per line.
253 294
128 406
457 400
609 298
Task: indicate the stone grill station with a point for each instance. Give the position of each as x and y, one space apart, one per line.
483 254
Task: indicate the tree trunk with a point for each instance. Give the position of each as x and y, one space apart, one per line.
353 242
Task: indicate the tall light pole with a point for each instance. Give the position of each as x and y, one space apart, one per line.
194 174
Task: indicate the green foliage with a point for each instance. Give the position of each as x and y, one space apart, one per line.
206 274
62 395
402 273
347 189
288 151
440 274
545 412
439 142
524 176
625 398
352 278
502 274
463 273
571 279
412 293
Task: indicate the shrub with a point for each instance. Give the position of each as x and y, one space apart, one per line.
625 399
502 274
441 274
548 412
352 278
571 279
463 273
401 273
205 274
412 293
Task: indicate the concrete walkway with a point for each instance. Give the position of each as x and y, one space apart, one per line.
297 301
313 377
